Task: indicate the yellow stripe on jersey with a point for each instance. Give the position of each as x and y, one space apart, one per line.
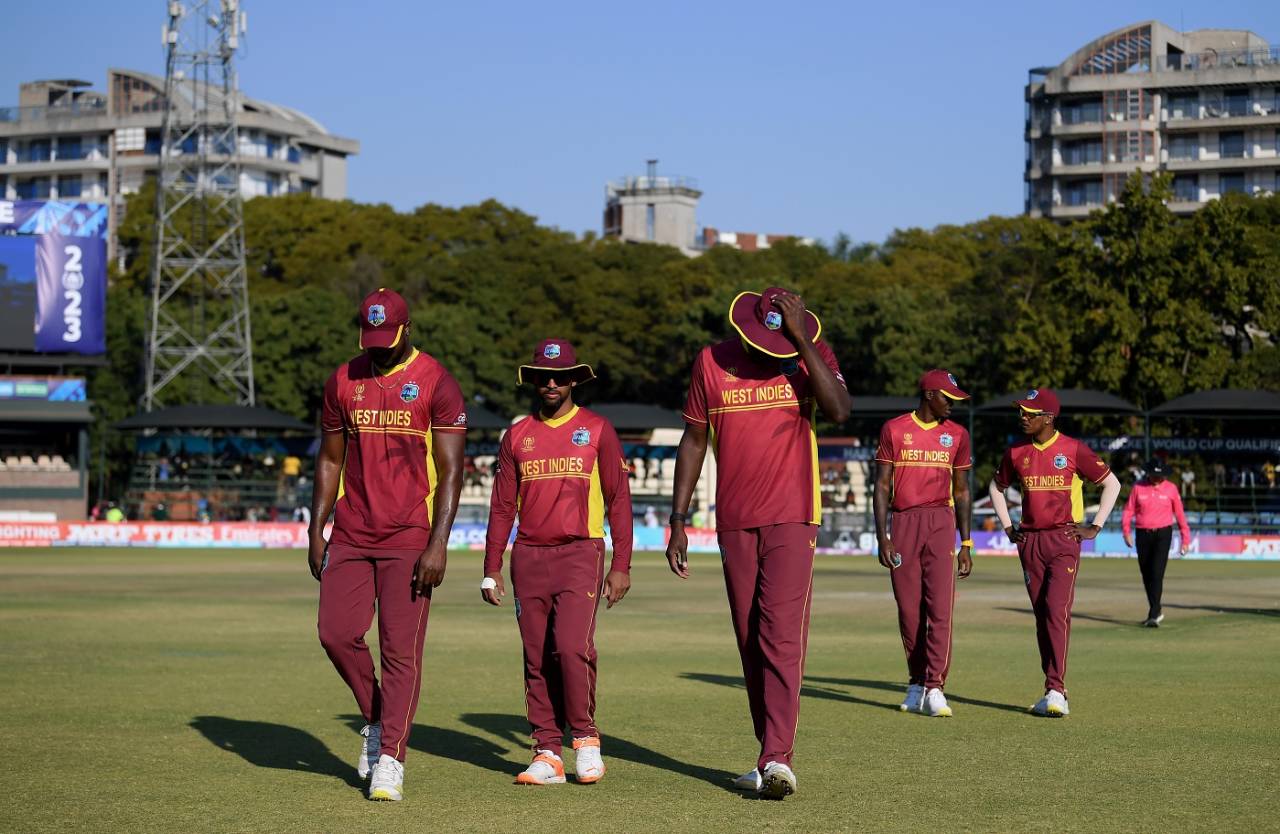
433 477
595 505
813 450
758 406
553 476
1077 498
385 430
926 464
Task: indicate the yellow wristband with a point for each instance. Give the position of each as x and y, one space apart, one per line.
967 543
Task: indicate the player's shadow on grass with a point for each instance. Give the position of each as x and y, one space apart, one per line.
515 730
1080 615
276 746
1226 609
819 687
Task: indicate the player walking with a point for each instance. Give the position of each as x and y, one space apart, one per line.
756 395
390 467
561 470
1153 504
923 460
1049 467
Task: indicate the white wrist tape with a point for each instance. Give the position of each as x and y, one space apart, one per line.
488 583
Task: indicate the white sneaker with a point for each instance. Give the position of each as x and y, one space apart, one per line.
1052 705
545 769
935 704
387 780
370 745
589 767
749 781
915 695
777 782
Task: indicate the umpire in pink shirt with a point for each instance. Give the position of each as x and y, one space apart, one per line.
1153 504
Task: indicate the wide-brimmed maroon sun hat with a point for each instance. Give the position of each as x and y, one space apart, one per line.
759 323
556 355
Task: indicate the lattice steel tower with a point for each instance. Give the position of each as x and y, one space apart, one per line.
199 289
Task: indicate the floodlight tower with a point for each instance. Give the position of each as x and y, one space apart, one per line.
199 287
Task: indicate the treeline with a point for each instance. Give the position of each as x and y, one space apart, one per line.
1131 300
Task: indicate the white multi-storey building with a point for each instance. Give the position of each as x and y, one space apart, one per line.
1202 105
65 141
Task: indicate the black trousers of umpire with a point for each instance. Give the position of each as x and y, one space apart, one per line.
1153 556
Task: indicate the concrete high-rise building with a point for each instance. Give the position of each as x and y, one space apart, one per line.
65 141
1202 105
653 209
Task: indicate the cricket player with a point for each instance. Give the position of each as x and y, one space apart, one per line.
922 467
756 396
390 467
1050 469
561 470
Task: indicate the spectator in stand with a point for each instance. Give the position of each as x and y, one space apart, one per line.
115 515
1247 478
1188 482
292 468
650 516
1219 474
1154 504
160 512
1269 473
162 471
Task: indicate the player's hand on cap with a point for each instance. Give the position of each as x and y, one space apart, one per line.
492 589
678 551
964 562
616 585
792 308
428 573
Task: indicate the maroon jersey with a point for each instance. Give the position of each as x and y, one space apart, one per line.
561 476
1050 474
760 414
923 456
386 495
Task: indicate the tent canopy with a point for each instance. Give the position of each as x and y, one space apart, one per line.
1072 399
43 411
479 417
638 416
228 417
1222 402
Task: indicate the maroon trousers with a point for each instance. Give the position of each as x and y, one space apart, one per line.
557 590
1050 563
768 572
350 585
924 586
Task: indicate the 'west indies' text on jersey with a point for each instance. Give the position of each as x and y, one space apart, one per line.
760 417
1050 475
562 476
923 456
386 495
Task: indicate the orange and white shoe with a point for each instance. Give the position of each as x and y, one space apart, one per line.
590 767
545 769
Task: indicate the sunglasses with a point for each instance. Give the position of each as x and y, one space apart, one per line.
1037 413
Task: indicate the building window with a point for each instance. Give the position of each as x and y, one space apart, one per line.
1231 183
4 151
294 155
1083 152
1186 188
36 188
69 147
649 221
309 186
1184 106
69 185
1236 103
1082 112
1231 144
1084 193
1184 147
38 150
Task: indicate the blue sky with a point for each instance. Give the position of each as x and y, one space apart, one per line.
802 118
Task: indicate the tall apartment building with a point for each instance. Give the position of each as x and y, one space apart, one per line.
1203 105
65 141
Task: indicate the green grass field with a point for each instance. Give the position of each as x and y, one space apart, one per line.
186 692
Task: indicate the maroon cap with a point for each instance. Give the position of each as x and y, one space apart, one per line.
944 381
1040 399
759 323
383 315
557 355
